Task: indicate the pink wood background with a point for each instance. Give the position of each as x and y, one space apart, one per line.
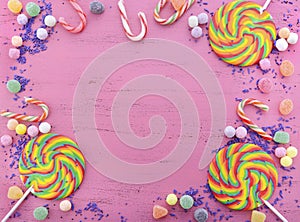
55 72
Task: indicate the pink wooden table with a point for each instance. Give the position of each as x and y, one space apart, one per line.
128 93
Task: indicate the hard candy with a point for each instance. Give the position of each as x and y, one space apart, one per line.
14 193
14 53
40 213
50 21
292 151
171 199
15 6
257 216
281 137
13 86
201 215
286 161
6 140
33 9
159 212
202 18
186 202
293 38
65 205
281 45
96 7
193 21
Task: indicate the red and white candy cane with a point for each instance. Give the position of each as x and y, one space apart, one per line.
82 16
247 121
175 16
126 27
28 118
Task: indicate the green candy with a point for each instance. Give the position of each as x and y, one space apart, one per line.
186 202
281 137
33 9
40 213
13 86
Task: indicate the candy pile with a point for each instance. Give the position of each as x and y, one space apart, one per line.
286 37
240 132
194 22
286 155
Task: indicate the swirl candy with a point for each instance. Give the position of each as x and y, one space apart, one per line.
52 165
242 175
240 35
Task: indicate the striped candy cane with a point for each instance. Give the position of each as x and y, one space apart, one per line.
82 16
28 118
126 27
175 16
247 121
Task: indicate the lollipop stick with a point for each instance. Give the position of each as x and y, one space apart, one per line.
17 204
275 211
267 3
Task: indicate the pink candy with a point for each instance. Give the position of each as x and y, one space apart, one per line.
14 53
265 85
265 64
6 140
241 132
280 152
32 131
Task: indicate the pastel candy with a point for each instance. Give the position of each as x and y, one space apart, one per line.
201 215
13 86
14 53
241 132
229 131
14 193
241 175
292 151
293 38
286 106
96 7
6 140
281 45
281 137
186 202
15 6
240 35
286 161
280 152
193 21
53 165
159 212
196 32
265 85
286 68
33 9
257 216
202 18
65 205
50 21
40 213
22 19
265 64
284 32
171 199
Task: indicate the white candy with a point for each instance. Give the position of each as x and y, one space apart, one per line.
41 34
193 21
293 38
241 132
229 131
50 21
196 32
22 19
44 127
281 45
202 18
65 205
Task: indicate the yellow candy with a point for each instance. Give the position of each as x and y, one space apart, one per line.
286 161
171 199
21 129
14 193
291 151
17 41
257 216
15 6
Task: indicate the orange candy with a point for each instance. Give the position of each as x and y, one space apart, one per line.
286 68
177 4
159 212
286 107
284 33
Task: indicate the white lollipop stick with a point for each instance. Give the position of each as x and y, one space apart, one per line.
275 211
30 189
267 3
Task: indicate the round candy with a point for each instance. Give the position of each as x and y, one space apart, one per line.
171 199
41 33
196 32
13 86
229 131
45 127
265 85
96 7
15 6
286 161
202 18
293 38
186 202
240 35
280 152
50 21
17 41
286 106
65 205
33 9
193 21
241 175
265 64
12 124
32 131
284 33
286 68
6 140
22 19
281 45
53 165
292 151
21 129
201 215
241 132
14 193
40 213
14 53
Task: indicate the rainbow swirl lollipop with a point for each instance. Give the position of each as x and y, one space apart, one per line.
242 175
240 35
52 165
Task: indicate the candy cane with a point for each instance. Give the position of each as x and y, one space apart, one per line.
247 121
17 116
175 16
82 16
126 27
